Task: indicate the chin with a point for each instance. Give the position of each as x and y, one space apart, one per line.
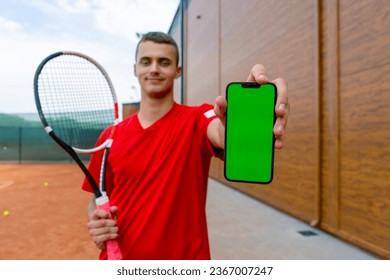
159 94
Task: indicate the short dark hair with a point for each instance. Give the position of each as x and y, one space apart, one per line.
159 38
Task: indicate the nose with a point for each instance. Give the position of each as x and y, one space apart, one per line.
154 68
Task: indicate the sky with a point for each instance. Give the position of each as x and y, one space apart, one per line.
105 30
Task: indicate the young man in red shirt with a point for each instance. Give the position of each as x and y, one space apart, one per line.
158 166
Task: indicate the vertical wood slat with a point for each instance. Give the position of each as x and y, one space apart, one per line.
330 115
317 111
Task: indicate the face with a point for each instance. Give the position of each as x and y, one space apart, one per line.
156 69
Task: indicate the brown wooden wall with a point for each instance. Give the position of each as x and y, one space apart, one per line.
334 169
129 109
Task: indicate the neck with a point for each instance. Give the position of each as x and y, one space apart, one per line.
153 109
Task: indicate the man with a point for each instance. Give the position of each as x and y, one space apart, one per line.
159 162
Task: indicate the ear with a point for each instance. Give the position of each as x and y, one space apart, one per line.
178 72
135 70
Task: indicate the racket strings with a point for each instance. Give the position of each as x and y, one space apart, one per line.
76 100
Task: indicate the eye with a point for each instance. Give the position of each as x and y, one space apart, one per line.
145 62
165 62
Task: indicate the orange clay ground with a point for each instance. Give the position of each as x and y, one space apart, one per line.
43 213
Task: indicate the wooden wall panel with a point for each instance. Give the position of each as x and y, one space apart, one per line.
177 85
203 52
365 122
335 54
283 36
129 108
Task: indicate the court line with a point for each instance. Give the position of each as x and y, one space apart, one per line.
5 184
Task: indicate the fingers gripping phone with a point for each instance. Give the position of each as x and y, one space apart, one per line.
249 137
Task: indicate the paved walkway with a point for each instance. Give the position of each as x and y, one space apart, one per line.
243 228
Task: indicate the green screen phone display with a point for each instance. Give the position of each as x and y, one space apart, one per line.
249 146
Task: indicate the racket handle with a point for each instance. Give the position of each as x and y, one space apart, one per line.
112 246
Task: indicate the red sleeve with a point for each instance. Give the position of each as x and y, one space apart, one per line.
95 162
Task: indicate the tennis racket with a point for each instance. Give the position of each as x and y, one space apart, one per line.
76 101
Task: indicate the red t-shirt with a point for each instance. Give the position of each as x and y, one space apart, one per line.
157 177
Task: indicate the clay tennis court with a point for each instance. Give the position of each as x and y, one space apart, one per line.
47 213
47 221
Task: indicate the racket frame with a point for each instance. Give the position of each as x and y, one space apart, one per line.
101 198
72 151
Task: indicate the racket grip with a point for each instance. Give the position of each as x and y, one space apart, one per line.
112 246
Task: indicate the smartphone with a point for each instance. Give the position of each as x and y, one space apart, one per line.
249 137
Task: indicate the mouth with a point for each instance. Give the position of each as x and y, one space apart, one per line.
154 79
